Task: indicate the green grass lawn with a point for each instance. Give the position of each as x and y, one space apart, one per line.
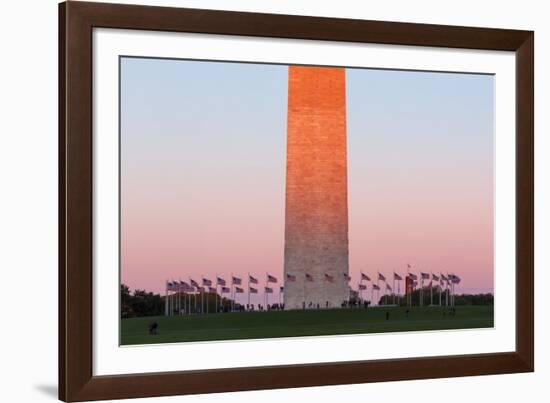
257 325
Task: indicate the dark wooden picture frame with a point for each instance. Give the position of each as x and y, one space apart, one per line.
76 22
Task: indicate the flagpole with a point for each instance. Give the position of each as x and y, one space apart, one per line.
361 287
202 294
407 295
179 298
393 288
171 304
421 289
383 290
447 291
232 294
452 294
166 298
440 287
191 306
175 305
378 290
431 288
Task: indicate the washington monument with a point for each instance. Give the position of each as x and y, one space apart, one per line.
316 217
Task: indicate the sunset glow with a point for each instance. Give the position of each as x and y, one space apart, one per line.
204 172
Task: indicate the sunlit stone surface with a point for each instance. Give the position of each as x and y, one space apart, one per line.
316 220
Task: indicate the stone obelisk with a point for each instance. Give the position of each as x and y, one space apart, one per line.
316 217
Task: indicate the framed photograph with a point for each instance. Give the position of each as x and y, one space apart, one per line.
254 201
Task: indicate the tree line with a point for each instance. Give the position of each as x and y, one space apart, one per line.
140 303
460 299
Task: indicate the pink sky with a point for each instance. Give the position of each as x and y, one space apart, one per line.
202 173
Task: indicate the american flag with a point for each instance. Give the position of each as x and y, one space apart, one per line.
271 279
347 277
434 277
253 290
226 290
381 277
375 287
309 277
362 287
329 278
252 280
186 287
205 281
239 290
412 276
200 289
220 281
364 277
235 280
290 277
454 278
425 276
397 276
388 287
212 290
443 278
194 283
268 290
171 286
